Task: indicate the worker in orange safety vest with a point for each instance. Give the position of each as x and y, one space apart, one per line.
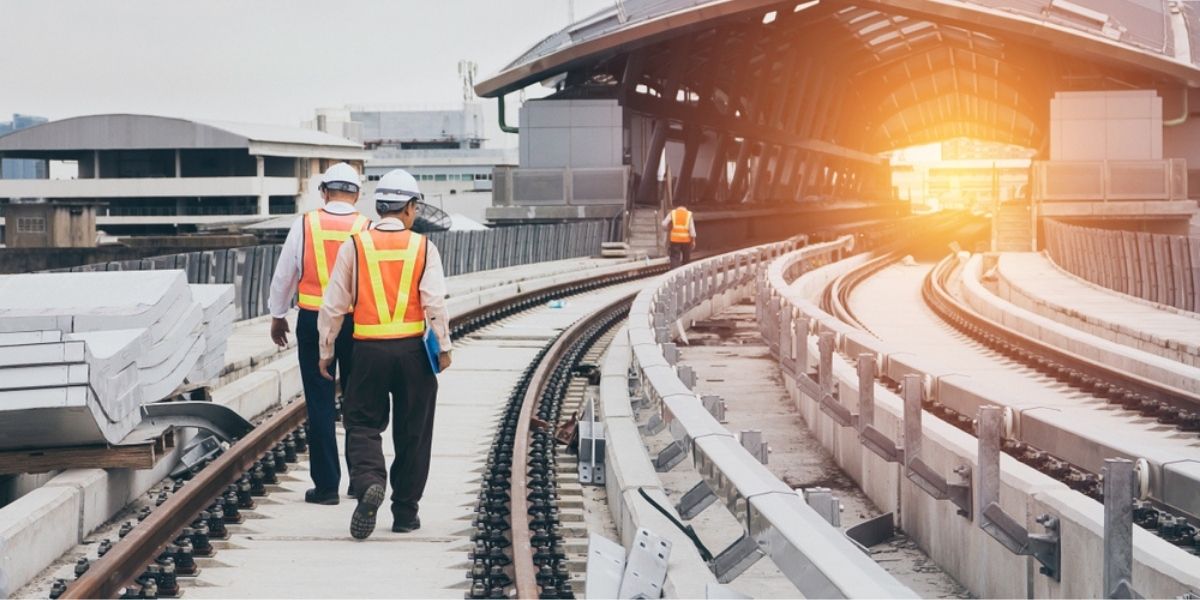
302 273
681 235
390 280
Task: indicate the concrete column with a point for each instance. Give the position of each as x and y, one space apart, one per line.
264 202
95 164
178 164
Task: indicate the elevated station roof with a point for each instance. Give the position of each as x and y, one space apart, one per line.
912 71
149 132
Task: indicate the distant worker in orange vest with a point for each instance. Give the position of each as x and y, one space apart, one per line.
390 279
302 273
681 233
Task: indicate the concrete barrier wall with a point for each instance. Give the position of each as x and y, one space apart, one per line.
1156 267
816 557
956 543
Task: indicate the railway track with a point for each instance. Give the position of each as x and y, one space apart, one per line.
1133 397
150 557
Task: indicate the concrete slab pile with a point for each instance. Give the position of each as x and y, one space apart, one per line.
81 352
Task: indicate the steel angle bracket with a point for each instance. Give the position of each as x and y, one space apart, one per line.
878 443
840 414
1044 547
959 494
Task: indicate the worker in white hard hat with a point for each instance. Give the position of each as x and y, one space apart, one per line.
302 274
390 280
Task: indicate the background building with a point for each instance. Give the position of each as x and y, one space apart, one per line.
11 168
445 149
156 174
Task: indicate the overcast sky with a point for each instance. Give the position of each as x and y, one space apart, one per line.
266 61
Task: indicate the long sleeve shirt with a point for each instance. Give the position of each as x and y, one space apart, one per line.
339 299
691 225
291 261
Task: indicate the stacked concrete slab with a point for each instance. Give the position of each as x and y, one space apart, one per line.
81 352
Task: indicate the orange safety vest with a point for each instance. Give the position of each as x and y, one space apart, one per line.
324 233
681 226
388 301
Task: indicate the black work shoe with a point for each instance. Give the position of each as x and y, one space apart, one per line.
315 496
412 524
362 523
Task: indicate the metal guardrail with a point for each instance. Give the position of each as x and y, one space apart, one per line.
776 520
1155 267
250 268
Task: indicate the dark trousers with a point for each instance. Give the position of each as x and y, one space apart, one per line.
399 369
681 254
319 397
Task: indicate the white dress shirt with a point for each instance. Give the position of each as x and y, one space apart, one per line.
291 260
339 296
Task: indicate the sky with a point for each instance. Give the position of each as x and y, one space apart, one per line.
260 61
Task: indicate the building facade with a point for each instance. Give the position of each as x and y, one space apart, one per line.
445 149
156 175
11 168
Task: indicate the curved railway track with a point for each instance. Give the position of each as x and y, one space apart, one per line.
1168 406
147 559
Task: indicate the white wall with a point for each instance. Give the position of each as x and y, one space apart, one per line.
1106 125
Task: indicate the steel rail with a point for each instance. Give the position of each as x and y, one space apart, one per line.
127 560
524 570
985 330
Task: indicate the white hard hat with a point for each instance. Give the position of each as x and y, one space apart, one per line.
395 189
341 177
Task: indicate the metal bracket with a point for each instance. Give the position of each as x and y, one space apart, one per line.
654 425
752 440
735 559
687 375
1120 485
873 531
715 405
591 444
646 566
873 439
669 457
671 353
840 414
826 504
218 419
196 453
915 469
605 567
1045 547
694 501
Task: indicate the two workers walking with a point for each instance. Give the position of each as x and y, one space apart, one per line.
370 298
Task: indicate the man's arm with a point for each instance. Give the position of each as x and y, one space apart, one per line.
666 223
337 301
433 296
285 280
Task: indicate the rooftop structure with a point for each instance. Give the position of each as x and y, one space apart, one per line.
161 174
21 169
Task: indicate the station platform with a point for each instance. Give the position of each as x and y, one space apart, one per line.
1034 283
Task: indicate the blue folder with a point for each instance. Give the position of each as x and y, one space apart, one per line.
432 349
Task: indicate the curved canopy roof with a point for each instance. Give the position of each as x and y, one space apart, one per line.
147 132
890 73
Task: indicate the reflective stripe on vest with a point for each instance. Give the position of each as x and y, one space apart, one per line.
681 230
324 233
390 264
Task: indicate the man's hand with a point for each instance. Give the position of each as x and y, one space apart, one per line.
279 331
324 368
443 361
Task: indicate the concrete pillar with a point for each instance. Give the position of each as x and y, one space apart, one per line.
264 202
95 164
178 164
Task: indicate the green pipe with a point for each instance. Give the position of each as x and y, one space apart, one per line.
1181 119
504 126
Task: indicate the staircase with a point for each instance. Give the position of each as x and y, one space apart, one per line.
644 226
1012 228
